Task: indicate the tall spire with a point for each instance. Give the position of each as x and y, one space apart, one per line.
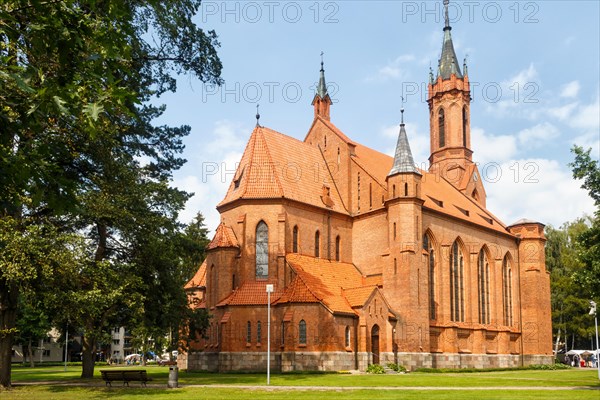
322 88
322 102
448 61
403 159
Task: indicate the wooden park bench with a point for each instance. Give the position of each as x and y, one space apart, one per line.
125 375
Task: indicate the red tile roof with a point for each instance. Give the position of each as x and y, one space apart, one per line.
322 280
251 294
199 279
278 166
224 237
357 297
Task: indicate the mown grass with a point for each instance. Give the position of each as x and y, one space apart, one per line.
69 393
53 383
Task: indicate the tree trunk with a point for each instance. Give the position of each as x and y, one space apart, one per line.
30 353
88 355
9 294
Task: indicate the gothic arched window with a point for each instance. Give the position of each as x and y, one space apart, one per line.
442 127
262 251
302 332
464 126
428 247
483 280
295 240
457 296
507 291
337 248
317 244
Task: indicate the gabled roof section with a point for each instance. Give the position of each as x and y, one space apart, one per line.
199 279
357 297
403 159
251 294
298 292
334 129
275 165
224 237
324 280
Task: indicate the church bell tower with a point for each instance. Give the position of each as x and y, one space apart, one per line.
449 100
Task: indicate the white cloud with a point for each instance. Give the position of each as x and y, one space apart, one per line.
516 95
210 170
491 148
393 70
587 117
538 135
570 90
537 189
563 112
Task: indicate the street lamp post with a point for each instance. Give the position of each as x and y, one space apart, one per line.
269 291
66 346
593 311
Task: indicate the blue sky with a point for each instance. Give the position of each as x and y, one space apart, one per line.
534 68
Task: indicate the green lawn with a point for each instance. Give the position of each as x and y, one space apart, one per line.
460 385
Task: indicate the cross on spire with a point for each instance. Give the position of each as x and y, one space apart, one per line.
446 16
322 61
402 111
257 116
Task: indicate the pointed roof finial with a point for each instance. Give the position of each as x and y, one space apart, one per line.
322 61
322 88
257 116
448 61
465 69
446 15
402 112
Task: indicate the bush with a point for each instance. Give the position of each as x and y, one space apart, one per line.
396 367
375 369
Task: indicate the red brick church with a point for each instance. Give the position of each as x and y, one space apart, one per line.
372 259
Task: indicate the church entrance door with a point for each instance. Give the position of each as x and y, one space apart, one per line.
375 343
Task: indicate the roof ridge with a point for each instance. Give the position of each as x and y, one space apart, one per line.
335 130
277 180
299 276
250 158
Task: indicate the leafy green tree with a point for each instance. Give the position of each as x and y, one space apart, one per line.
75 125
194 242
30 254
569 301
165 312
588 170
33 324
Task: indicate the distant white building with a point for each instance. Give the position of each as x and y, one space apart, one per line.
48 349
120 347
